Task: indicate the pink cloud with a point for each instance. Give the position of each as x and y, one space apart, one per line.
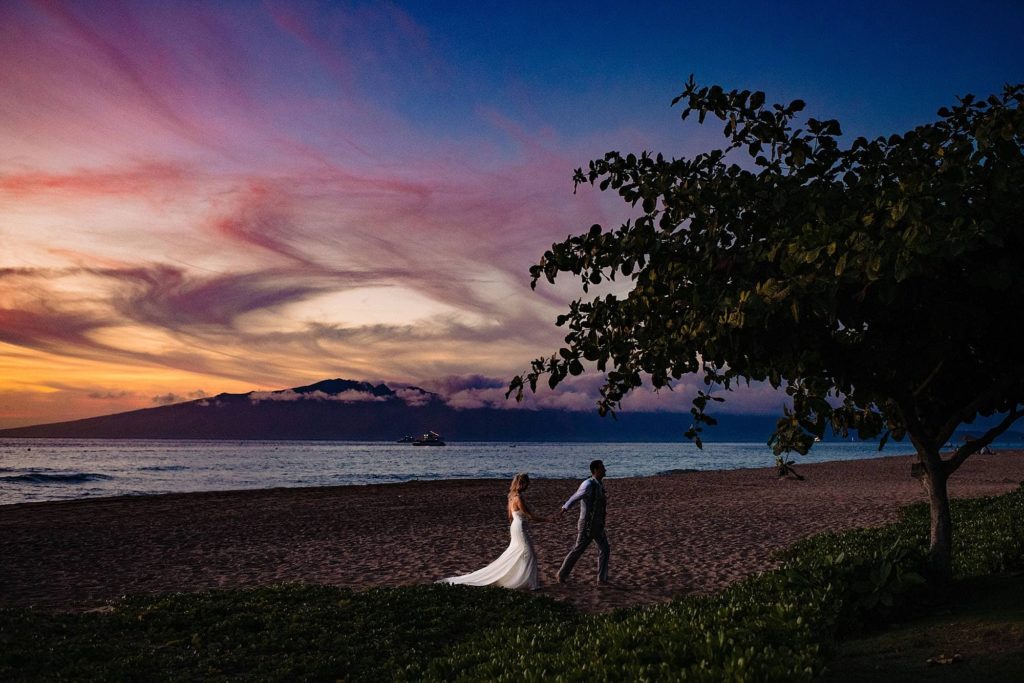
476 398
413 396
452 384
261 223
287 395
353 396
140 181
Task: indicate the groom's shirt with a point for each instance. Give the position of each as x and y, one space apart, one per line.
590 495
583 490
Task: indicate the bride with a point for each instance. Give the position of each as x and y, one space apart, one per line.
517 566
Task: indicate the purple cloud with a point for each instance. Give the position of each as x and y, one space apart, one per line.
582 393
169 297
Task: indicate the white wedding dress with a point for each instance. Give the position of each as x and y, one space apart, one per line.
515 568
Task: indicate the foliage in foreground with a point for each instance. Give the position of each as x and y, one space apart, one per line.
284 633
778 626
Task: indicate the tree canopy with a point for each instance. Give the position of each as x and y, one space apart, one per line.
879 282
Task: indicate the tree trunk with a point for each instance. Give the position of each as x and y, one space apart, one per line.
940 551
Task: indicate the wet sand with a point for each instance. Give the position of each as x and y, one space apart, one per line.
670 534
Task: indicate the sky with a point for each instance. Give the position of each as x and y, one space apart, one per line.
199 197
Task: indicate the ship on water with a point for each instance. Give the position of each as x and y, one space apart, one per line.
429 439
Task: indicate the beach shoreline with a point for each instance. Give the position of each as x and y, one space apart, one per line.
671 534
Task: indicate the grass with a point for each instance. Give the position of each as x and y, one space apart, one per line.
978 636
278 633
295 632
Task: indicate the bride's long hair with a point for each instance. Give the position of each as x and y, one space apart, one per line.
520 483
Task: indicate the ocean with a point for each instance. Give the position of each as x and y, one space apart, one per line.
33 470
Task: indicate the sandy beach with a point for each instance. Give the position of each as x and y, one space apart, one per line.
670 534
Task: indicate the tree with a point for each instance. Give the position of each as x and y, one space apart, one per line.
877 283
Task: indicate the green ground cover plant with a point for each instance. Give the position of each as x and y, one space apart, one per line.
778 626
278 633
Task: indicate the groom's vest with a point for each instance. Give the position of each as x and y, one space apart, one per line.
592 507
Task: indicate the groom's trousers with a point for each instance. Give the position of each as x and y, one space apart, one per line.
583 540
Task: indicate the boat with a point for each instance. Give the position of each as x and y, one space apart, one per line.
406 439
429 439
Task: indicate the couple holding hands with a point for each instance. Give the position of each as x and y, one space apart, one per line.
517 566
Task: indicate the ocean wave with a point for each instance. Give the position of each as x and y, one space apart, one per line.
26 469
42 478
163 468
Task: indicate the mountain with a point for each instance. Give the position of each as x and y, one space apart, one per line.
339 409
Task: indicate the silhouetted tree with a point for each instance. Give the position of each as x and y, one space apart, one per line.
881 284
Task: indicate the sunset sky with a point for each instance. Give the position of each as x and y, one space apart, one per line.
198 197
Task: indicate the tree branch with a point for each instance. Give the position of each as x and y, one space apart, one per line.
929 378
976 445
970 410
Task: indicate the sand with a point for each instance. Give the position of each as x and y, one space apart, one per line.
670 534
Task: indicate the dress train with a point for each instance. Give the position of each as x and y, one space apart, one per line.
514 568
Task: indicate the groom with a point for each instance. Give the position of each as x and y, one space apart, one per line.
590 496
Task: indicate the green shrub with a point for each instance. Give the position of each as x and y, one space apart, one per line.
868 582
